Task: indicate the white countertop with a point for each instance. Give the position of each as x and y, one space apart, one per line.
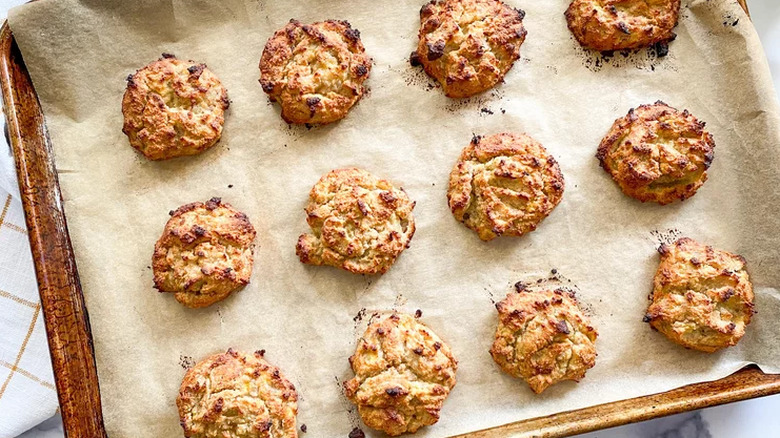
753 418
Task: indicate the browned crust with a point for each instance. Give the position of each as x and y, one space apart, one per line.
504 185
468 45
237 395
702 297
359 223
204 254
403 374
315 71
607 25
173 108
657 153
543 337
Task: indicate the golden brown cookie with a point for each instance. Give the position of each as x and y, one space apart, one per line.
204 253
237 395
403 374
702 297
504 184
315 71
359 223
543 337
468 45
173 108
607 25
657 153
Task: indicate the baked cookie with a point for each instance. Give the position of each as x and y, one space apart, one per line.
702 297
315 71
607 25
657 153
403 374
173 108
468 45
504 184
543 337
237 395
204 253
359 223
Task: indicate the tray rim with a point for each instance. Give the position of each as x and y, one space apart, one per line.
67 322
62 303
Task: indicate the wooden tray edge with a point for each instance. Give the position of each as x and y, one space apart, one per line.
745 384
744 5
64 313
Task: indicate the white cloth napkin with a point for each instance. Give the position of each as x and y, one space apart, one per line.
27 392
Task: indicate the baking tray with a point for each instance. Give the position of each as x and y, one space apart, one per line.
67 321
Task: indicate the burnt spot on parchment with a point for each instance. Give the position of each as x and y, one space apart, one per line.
484 104
358 326
186 362
730 20
491 296
665 237
650 58
400 301
359 316
349 408
295 131
366 93
292 131
415 76
367 285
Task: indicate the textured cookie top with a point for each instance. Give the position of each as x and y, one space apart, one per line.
657 153
173 108
358 222
237 395
315 71
504 184
204 253
403 374
468 45
543 337
622 24
702 297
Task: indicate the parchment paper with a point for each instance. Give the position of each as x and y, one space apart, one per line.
601 242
